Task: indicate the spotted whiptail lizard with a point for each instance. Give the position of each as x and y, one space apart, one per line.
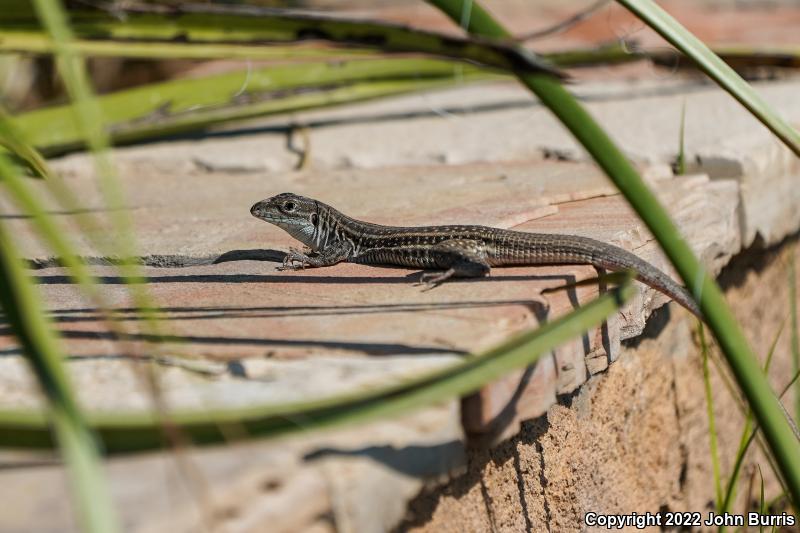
460 251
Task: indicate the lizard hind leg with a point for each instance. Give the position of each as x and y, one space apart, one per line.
463 258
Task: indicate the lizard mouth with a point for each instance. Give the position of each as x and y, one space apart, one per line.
272 219
266 214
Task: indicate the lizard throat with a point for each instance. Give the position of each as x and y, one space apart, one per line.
302 232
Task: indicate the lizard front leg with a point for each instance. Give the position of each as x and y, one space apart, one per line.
462 258
336 253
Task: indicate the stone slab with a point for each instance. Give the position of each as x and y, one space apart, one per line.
357 326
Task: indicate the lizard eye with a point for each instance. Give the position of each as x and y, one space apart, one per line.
288 206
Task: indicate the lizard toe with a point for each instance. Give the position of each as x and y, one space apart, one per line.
291 267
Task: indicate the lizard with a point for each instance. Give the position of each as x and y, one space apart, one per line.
455 250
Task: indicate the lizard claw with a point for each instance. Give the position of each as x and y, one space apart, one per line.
431 280
426 286
292 257
291 267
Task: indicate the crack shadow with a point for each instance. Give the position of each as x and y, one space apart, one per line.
368 348
126 314
415 460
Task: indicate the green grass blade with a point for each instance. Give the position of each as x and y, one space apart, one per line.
773 345
91 123
712 426
794 325
14 140
126 433
746 438
762 501
178 106
86 114
727 78
55 238
209 24
718 316
792 381
680 166
25 315
743 59
36 42
50 232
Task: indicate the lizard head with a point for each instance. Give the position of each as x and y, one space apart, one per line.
297 215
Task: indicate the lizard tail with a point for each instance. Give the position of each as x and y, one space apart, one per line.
649 275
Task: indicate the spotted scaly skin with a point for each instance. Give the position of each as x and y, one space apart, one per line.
459 251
